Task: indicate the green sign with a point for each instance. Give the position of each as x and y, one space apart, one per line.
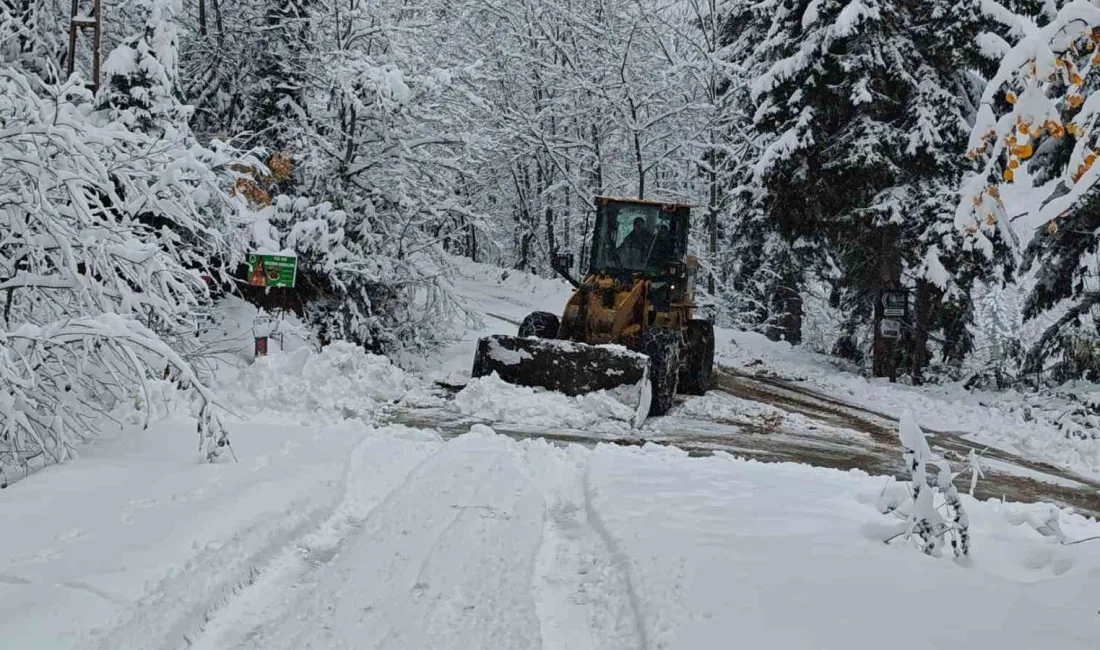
272 270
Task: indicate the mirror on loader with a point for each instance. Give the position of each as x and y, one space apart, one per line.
562 264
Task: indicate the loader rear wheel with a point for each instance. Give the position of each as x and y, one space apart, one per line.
663 349
697 368
542 324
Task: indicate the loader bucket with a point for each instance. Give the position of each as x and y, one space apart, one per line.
567 367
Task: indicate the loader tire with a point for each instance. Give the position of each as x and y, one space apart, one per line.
542 324
663 349
697 363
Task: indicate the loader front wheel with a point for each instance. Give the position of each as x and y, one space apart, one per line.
697 371
542 324
663 349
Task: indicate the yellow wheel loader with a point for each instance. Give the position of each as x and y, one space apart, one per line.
629 328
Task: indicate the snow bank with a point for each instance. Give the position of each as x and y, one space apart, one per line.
342 381
788 556
492 399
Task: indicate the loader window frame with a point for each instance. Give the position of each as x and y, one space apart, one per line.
617 252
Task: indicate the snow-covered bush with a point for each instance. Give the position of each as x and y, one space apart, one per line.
102 232
933 522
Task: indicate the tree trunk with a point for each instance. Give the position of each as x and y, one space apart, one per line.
884 350
792 319
218 19
923 305
712 219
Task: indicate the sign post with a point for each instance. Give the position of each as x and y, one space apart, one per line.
895 304
891 315
275 271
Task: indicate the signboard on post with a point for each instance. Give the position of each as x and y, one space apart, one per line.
895 304
272 270
890 328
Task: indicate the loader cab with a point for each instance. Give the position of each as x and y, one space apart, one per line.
639 237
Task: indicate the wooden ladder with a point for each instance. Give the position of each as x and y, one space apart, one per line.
81 21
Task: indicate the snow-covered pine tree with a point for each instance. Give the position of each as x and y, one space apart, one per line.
140 76
761 272
281 71
1041 109
868 108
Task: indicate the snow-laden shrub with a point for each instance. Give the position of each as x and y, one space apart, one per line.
934 514
102 230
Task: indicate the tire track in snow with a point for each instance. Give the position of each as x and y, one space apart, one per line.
377 467
619 559
445 562
581 589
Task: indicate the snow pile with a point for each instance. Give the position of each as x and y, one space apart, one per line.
771 554
491 398
727 409
342 381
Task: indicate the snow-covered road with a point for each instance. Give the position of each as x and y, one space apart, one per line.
485 542
336 530
465 544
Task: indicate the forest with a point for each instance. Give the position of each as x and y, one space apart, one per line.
834 150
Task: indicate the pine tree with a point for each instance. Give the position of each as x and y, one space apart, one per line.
867 109
760 268
141 75
282 66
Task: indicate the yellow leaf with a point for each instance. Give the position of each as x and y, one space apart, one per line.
1010 98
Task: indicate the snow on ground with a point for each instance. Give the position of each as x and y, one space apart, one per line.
334 532
501 298
721 408
1002 420
770 555
347 536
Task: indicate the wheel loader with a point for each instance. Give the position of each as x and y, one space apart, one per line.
630 326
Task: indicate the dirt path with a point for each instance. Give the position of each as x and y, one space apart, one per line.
1014 477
